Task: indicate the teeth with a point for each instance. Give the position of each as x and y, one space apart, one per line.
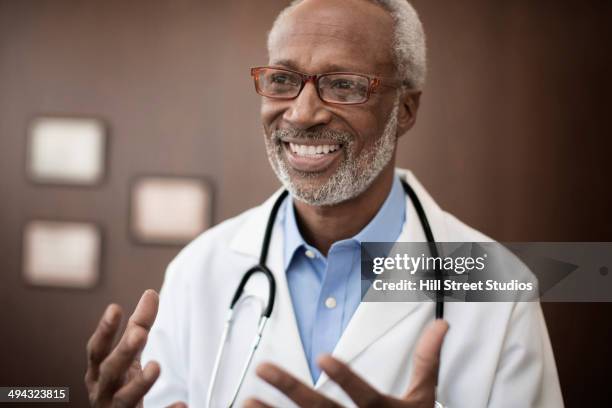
311 150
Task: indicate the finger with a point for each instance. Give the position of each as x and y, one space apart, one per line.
362 393
177 405
295 390
253 403
130 394
426 360
144 313
101 341
146 310
131 344
114 369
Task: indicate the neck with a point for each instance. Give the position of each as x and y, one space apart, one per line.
321 226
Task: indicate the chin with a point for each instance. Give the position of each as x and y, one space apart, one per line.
311 182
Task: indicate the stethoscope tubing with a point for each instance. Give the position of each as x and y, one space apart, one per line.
267 311
433 248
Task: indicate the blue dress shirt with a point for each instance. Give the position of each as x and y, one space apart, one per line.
326 291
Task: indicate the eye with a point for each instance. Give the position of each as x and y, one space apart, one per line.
342 83
280 78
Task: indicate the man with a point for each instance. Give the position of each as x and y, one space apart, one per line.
331 139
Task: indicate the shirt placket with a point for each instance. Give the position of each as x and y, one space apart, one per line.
330 305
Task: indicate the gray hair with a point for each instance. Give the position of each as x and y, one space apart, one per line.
409 50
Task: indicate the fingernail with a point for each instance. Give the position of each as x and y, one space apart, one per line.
149 372
268 372
110 315
440 321
150 292
328 364
272 375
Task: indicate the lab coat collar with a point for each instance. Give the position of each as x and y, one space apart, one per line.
371 320
249 238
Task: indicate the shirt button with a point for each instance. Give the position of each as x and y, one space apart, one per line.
330 302
310 254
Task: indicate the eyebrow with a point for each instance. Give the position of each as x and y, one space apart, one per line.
287 63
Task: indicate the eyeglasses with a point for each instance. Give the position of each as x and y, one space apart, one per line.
344 88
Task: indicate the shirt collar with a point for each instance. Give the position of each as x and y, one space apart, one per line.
386 225
293 237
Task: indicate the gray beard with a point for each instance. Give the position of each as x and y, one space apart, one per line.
355 173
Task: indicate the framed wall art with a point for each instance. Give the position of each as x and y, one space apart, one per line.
169 210
66 150
61 254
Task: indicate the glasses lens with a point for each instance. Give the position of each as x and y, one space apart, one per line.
343 88
278 83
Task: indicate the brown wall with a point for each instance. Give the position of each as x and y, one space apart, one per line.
512 137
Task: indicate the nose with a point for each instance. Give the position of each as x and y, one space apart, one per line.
307 109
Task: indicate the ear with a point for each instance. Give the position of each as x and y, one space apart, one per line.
407 113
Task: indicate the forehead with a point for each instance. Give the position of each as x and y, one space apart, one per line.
330 35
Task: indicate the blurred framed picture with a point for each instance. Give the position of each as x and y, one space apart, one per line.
61 254
66 150
169 210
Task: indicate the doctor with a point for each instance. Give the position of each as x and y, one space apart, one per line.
331 140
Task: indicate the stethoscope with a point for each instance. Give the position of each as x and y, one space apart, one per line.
267 311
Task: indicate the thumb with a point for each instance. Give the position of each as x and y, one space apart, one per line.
426 361
177 405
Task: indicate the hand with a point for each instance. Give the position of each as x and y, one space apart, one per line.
114 377
420 394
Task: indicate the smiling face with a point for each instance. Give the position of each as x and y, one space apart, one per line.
328 153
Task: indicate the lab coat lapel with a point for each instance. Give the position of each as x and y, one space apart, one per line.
281 341
372 320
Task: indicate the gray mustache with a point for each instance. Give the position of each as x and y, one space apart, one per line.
322 134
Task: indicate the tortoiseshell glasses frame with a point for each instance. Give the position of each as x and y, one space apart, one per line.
343 88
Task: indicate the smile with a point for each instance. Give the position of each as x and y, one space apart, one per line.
312 156
312 150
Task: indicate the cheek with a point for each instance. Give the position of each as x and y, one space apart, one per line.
377 120
271 112
367 127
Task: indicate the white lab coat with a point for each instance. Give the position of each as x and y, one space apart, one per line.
495 354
